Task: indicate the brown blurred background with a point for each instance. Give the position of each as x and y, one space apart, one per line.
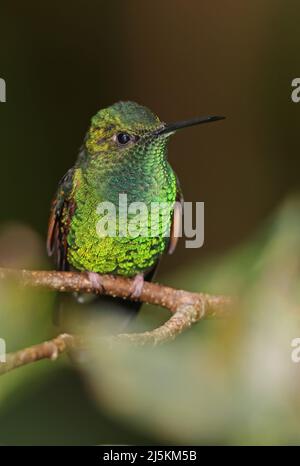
63 62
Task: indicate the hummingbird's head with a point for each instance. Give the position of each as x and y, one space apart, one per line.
126 128
120 127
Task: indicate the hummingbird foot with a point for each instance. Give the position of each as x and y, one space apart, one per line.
96 282
137 286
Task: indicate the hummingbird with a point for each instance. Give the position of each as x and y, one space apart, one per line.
124 152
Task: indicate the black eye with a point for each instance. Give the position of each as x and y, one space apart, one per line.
123 138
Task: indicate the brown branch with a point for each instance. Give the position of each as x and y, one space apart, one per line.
48 349
187 308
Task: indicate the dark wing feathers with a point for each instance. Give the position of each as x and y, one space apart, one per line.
62 209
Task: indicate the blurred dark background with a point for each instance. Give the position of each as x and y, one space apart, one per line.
64 62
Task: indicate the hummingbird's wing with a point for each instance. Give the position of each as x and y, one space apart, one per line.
176 221
62 210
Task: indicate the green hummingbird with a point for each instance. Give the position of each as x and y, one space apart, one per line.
124 152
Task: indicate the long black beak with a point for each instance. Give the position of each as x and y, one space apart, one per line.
172 127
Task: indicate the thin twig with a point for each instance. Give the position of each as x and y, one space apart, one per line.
187 308
48 349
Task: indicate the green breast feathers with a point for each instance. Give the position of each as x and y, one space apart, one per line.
125 237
